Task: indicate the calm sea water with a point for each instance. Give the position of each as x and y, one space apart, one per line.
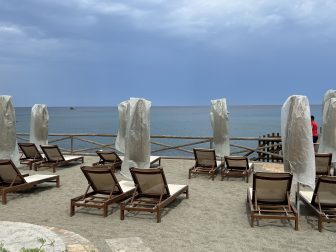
245 121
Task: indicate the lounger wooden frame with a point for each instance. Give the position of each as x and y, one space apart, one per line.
11 180
152 192
109 158
30 154
323 163
54 158
323 207
237 166
271 199
205 163
106 190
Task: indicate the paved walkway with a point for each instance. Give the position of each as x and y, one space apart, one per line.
15 235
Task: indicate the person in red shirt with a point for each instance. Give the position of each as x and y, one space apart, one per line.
314 128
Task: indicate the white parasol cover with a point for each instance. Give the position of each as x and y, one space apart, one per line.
297 143
326 99
137 140
220 125
8 143
39 125
328 139
120 140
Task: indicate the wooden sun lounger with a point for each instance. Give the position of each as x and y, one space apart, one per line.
322 200
323 164
31 154
111 158
237 166
152 192
269 197
205 163
106 189
11 180
54 158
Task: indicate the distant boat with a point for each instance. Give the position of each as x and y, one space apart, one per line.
72 108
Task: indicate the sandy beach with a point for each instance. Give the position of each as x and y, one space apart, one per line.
214 218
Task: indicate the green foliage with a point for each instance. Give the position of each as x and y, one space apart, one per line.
41 248
2 248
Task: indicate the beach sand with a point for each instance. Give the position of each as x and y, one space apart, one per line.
214 218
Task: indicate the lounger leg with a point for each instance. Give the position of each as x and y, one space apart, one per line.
105 210
296 223
122 213
189 174
187 193
320 225
57 182
222 174
158 215
4 198
72 209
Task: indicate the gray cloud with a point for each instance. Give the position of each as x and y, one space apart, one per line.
217 45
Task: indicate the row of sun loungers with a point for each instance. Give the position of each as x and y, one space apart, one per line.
269 196
52 156
233 166
111 158
149 192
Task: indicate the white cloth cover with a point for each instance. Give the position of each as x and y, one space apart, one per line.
120 140
326 99
328 139
8 144
220 125
137 140
325 106
39 125
297 142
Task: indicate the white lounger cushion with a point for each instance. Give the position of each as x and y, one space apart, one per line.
175 188
307 195
67 157
37 177
126 185
151 159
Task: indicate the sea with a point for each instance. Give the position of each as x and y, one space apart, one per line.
245 121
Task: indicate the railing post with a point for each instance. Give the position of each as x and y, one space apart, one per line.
211 143
71 144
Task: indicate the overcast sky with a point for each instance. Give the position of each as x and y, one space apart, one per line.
172 52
